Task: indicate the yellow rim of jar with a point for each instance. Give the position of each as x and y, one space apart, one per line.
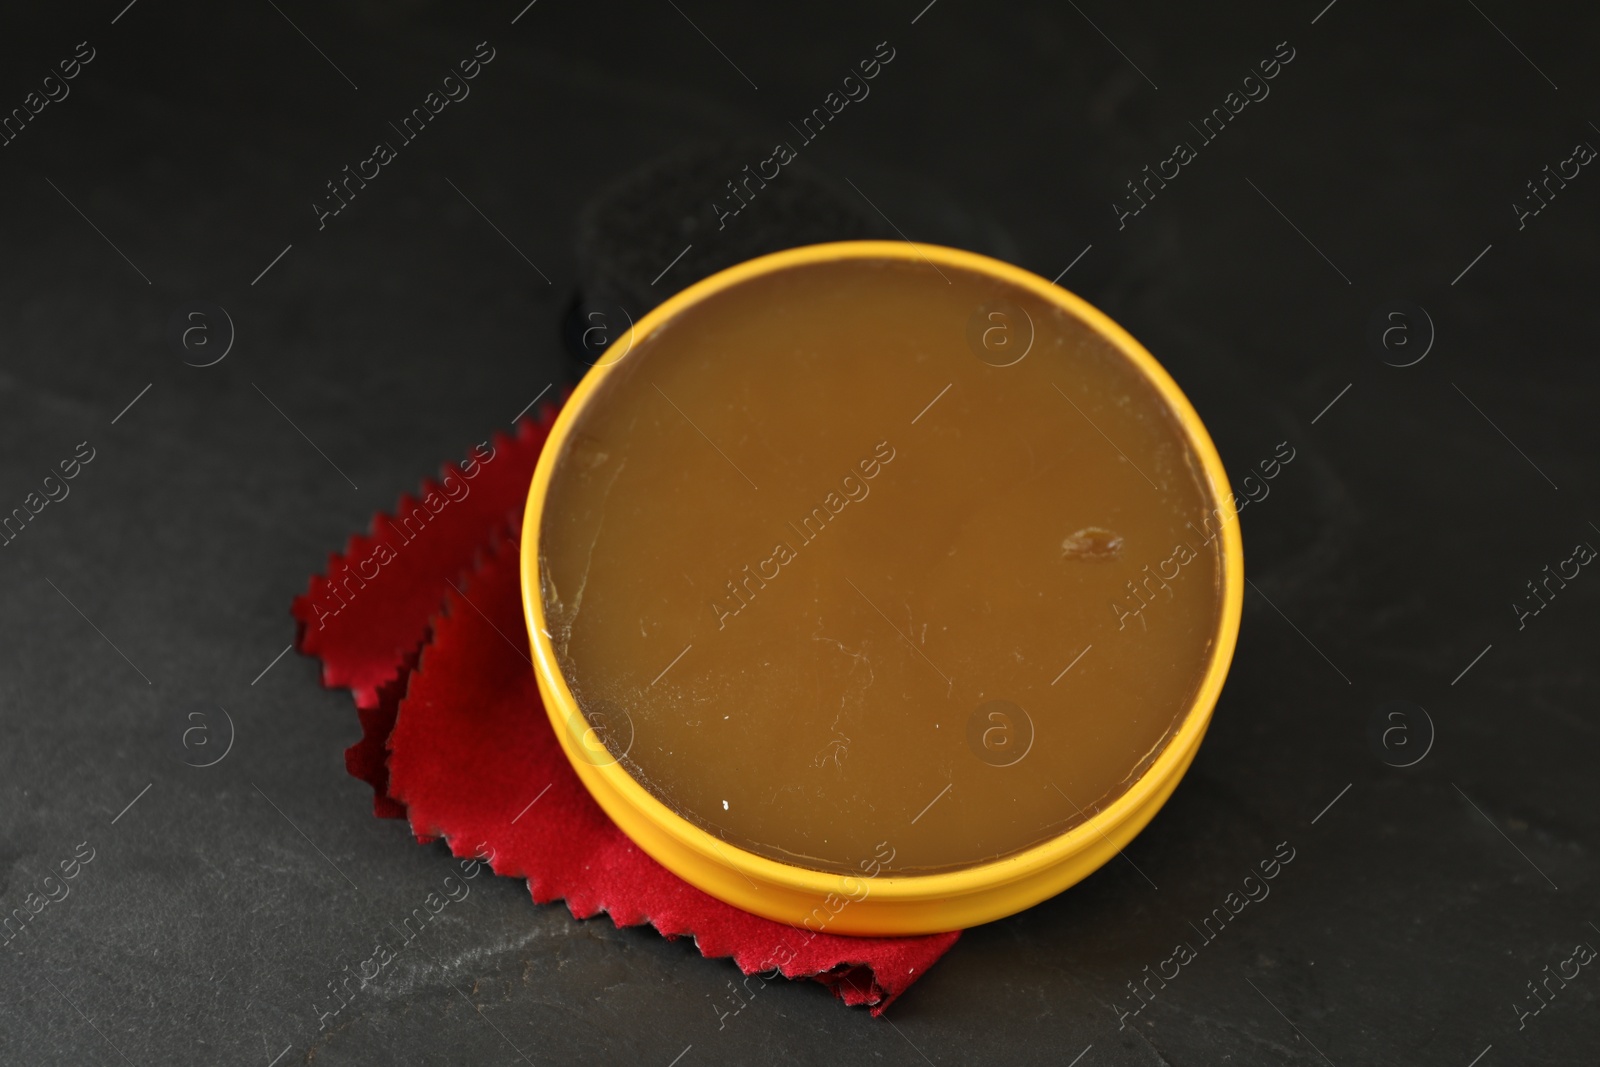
885 905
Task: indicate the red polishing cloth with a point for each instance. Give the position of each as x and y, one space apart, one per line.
455 737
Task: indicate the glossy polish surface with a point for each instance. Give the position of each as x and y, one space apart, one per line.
876 568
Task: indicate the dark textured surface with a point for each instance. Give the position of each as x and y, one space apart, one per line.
217 908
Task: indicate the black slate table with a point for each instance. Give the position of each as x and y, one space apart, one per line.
1350 261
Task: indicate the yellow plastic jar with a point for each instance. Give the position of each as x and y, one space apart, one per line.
888 904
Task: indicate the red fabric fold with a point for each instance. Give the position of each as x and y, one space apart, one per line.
421 619
366 620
